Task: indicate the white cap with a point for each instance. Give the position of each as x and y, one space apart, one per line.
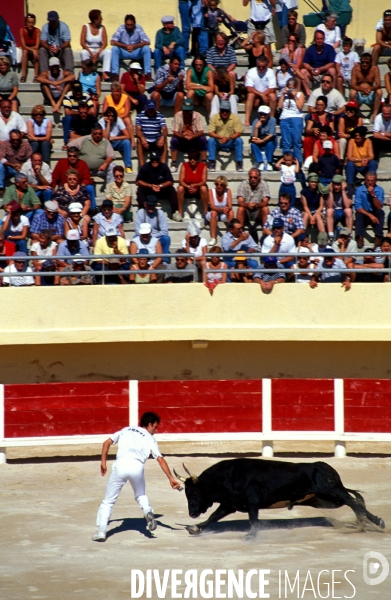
51 205
78 258
193 228
73 235
75 207
54 62
145 228
111 231
136 66
327 144
264 109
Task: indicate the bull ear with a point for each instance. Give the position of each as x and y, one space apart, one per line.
194 478
179 477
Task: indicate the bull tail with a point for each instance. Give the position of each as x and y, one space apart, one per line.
358 496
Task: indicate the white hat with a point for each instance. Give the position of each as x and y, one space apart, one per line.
327 144
136 66
73 235
168 19
78 258
193 228
145 228
264 109
54 62
75 207
111 231
51 205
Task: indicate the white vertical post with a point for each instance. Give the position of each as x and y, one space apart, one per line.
3 458
133 402
267 446
339 417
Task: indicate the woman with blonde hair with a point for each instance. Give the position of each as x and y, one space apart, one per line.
39 132
9 83
220 206
255 47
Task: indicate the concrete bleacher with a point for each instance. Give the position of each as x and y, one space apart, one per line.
30 94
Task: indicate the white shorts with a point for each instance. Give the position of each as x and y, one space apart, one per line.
220 216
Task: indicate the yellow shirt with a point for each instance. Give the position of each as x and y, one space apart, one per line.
101 246
225 128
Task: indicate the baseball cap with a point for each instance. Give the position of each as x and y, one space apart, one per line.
151 200
107 204
187 104
327 144
54 62
264 110
225 105
51 205
150 104
322 238
19 254
154 156
48 264
76 86
239 257
313 177
111 232
345 231
13 206
73 235
329 250
337 179
278 222
352 104
75 207
135 66
53 15
143 251
270 260
168 19
145 229
78 258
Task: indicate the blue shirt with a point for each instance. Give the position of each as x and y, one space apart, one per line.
363 200
151 126
268 128
228 238
163 73
63 250
214 58
56 36
311 56
55 225
137 36
157 220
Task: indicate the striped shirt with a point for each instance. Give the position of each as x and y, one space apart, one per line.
292 220
134 37
266 276
73 104
151 126
214 58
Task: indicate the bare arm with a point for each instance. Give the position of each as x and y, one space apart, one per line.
166 470
105 451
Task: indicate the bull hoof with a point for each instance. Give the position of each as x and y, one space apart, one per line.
193 529
382 524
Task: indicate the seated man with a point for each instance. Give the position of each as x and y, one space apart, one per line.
39 176
169 85
187 133
335 274
344 244
366 85
268 280
184 271
151 132
253 199
236 239
72 246
263 139
146 241
9 120
293 221
71 103
158 221
383 37
55 83
156 178
73 161
13 154
382 131
55 42
111 243
169 41
21 267
225 130
279 241
97 152
50 219
327 166
222 55
81 124
24 195
130 42
368 204
318 60
293 27
335 100
261 88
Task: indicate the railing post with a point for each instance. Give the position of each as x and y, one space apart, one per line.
339 418
3 456
267 444
133 402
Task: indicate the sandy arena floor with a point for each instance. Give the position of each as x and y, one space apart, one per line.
47 517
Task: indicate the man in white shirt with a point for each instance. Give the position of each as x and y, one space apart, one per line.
335 101
261 13
261 88
39 176
279 241
135 444
19 266
382 131
10 120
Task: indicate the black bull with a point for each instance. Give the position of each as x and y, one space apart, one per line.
247 485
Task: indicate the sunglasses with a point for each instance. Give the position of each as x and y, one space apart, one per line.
40 114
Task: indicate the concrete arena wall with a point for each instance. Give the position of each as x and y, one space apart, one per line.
155 332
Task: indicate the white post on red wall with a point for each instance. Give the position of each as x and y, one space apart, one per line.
133 402
339 418
267 445
3 458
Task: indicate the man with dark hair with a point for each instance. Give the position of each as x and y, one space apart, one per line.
130 42
13 154
156 178
135 444
293 27
185 271
169 85
366 85
97 152
293 221
82 123
319 59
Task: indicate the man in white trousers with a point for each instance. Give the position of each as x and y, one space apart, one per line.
135 444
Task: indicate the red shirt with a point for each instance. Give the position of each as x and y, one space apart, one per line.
130 86
193 176
59 173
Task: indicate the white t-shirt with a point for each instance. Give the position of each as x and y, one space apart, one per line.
197 252
330 36
290 109
135 442
263 82
287 244
260 10
15 121
17 229
335 100
288 174
116 129
347 62
23 279
36 247
303 277
282 79
380 125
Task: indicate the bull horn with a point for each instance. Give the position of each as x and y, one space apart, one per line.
194 478
179 477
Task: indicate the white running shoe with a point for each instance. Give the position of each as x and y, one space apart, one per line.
151 523
261 167
212 242
269 168
99 536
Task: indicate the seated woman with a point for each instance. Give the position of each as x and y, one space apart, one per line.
143 265
76 220
220 206
360 157
347 124
9 83
294 54
196 246
224 89
199 83
43 247
291 104
120 101
313 123
39 132
106 219
115 131
192 181
90 82
211 279
119 192
93 40
313 204
240 262
30 37
255 46
70 192
16 226
133 84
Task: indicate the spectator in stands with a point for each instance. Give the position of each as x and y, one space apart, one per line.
187 133
303 262
338 205
55 84
76 221
146 241
120 101
383 37
82 123
347 124
24 195
15 226
323 242
222 55
360 157
345 62
387 81
253 199
71 192
133 84
169 42
151 132
331 30
289 167
10 120
236 239
223 89
93 40
184 271
114 130
156 178
263 139
91 82
107 219
261 88
293 27
199 83
314 122
292 56
43 247
220 206
97 152
13 154
335 101
71 246
225 130
293 221
368 204
325 135
55 42
327 165
196 246
268 280
74 162
318 60
9 83
279 241
193 182
366 85
130 42
21 267
157 220
39 176
382 131
291 104
313 204
244 275
119 191
71 102
7 248
370 261
39 132
30 39
334 275
261 14
344 244
50 219
79 277
143 266
255 47
211 279
169 85
111 243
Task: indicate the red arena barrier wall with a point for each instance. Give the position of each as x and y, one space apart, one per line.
367 405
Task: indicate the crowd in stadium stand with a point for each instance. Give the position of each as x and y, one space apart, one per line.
316 92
